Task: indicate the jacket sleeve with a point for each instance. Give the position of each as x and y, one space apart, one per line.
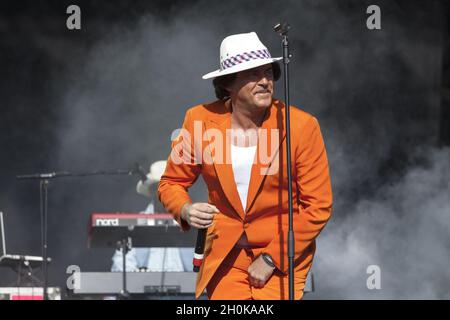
315 199
181 172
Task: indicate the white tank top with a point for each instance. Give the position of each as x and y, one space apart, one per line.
242 161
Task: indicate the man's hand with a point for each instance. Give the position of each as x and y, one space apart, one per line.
199 215
259 272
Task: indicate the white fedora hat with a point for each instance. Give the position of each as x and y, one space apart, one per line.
154 176
240 52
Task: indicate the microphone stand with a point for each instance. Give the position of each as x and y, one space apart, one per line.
44 179
282 29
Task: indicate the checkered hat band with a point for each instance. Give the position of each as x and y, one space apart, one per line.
246 56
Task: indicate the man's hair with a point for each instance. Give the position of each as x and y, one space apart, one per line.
220 83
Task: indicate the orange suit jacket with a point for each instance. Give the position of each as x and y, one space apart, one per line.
265 218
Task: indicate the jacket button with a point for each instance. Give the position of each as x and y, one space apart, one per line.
246 224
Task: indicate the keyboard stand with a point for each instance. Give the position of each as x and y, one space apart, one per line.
125 245
25 271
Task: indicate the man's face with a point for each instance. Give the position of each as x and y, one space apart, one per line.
253 87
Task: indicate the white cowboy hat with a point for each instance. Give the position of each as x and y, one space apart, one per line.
240 52
154 176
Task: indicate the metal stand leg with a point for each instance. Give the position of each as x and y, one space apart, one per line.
125 246
25 276
44 206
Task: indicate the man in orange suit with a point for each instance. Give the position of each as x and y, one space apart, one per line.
238 145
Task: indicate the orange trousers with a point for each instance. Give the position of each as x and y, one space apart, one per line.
230 282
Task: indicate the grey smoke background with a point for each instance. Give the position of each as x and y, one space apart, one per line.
111 94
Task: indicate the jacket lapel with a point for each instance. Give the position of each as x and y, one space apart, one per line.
220 150
270 138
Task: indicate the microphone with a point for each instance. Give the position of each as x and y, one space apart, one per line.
143 185
138 170
199 250
282 28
